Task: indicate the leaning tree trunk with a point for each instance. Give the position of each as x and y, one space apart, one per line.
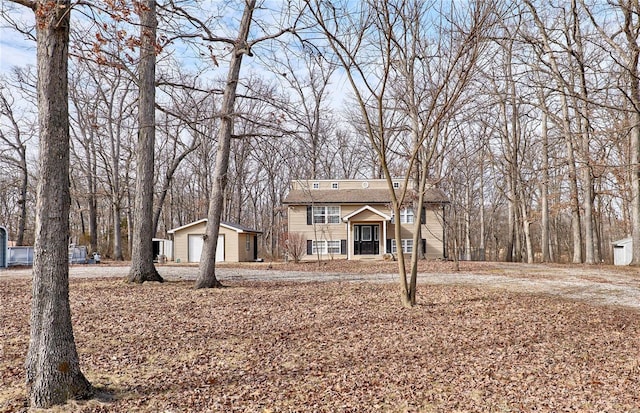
207 274
142 268
52 365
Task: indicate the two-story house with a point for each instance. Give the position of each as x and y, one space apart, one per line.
353 219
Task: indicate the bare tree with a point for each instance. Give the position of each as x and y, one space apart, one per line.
52 364
390 35
627 57
15 154
296 246
307 74
547 55
240 47
142 268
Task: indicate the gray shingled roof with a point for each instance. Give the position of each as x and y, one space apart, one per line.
353 196
236 227
240 227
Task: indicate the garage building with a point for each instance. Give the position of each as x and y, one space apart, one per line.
235 242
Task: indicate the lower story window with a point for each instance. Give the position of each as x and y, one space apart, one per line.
326 247
407 246
319 247
333 247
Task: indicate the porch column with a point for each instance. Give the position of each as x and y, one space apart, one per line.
384 235
348 240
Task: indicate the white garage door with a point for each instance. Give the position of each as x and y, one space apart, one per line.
195 248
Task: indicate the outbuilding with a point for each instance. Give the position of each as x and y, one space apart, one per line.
4 247
622 251
235 242
162 249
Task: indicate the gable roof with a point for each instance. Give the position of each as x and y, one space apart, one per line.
366 208
353 196
225 224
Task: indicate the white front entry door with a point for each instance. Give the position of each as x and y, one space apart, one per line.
195 248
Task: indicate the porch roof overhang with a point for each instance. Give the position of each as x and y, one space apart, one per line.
369 208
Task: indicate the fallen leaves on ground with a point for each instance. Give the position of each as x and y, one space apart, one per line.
333 347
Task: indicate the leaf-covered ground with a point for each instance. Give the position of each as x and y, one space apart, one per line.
333 347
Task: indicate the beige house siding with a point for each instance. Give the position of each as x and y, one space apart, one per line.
432 231
181 241
246 246
361 202
230 244
234 243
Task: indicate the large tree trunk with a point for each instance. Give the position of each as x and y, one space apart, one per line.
52 365
142 268
207 272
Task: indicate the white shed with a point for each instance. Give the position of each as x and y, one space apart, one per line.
162 248
622 252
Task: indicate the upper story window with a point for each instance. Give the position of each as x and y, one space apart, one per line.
396 185
316 185
326 215
406 216
334 185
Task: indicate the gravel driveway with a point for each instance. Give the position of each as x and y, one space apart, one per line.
598 285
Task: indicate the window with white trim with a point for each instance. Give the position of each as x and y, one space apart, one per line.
406 216
407 246
319 247
396 185
316 185
334 185
324 247
333 247
326 214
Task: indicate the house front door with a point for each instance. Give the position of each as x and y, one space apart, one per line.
366 240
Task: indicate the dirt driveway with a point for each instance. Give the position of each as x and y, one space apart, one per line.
602 285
